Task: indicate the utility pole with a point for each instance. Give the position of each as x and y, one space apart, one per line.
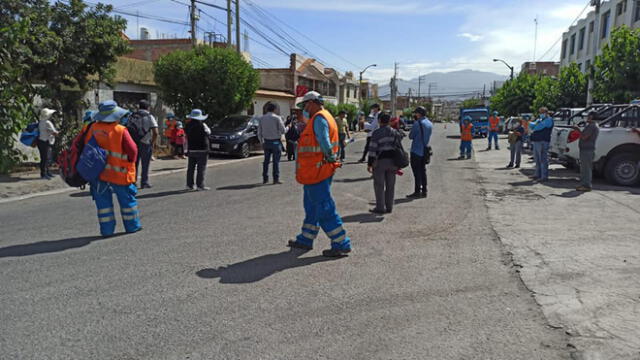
229 23
535 39
193 18
419 83
596 43
394 89
431 84
238 26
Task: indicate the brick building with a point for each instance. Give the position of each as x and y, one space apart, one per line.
543 68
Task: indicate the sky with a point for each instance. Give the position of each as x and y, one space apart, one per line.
422 36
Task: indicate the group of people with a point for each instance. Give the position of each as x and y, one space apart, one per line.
538 133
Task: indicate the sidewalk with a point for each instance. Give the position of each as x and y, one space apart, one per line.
579 253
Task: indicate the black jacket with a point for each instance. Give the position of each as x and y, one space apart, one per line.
197 138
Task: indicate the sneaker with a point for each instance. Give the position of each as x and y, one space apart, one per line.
497 148
468 157
461 157
277 182
146 186
423 195
191 188
389 211
583 188
377 211
335 253
517 166
509 166
296 245
265 181
489 148
203 188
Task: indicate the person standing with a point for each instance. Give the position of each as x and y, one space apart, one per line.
420 135
587 146
180 139
466 138
270 131
46 139
291 137
382 151
148 126
540 137
169 126
370 127
494 127
119 175
315 167
515 141
343 132
198 153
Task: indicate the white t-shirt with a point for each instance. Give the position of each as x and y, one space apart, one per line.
373 125
47 131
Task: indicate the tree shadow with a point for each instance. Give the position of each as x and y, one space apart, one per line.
44 247
261 267
161 194
363 218
457 159
169 169
569 194
353 180
241 187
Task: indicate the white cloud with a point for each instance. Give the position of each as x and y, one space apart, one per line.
361 6
471 37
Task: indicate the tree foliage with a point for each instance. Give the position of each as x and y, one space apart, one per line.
471 103
351 110
616 71
515 96
218 81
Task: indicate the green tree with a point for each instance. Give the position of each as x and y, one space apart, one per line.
616 71
515 96
572 84
218 81
547 93
471 103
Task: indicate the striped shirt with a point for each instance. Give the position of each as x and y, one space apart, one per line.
383 143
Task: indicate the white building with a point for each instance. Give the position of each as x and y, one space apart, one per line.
585 39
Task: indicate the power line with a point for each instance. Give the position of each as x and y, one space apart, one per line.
570 25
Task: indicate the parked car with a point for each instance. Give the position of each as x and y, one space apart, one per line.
617 154
235 135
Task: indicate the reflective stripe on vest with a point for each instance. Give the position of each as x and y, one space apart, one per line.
117 155
115 168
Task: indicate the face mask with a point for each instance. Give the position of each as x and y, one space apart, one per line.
306 114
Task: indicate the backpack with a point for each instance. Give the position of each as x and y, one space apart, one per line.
68 159
293 134
400 157
135 126
92 161
30 134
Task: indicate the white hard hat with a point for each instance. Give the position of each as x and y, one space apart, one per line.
311 96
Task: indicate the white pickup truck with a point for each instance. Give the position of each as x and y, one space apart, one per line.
617 154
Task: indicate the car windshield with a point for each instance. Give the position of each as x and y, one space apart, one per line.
477 115
231 123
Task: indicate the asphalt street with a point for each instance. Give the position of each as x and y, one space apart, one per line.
210 276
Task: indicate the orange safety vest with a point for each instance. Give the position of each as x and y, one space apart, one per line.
119 169
465 132
169 125
311 166
494 122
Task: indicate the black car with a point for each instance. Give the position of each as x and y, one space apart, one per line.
236 135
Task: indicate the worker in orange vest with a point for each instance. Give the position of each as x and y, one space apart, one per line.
119 175
315 166
466 138
494 128
169 126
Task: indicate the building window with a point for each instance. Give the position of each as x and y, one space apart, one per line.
624 5
580 66
573 44
636 15
587 66
619 9
605 24
581 39
564 49
591 27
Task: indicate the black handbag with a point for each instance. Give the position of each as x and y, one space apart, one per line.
400 157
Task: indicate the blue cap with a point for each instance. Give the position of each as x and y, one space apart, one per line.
170 115
109 112
88 116
467 118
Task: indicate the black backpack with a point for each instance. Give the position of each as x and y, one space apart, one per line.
135 126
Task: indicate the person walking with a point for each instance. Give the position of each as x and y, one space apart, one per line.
420 135
466 138
370 127
587 146
119 175
148 128
291 137
494 127
515 144
540 137
46 138
198 152
382 151
343 132
270 131
315 167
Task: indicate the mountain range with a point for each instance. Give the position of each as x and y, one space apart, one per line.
461 84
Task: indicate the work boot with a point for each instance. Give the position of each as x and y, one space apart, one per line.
510 166
423 194
296 245
517 166
461 157
583 188
377 211
336 253
489 148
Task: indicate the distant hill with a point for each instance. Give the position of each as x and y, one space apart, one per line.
452 85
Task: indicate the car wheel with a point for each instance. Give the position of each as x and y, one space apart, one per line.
244 151
623 169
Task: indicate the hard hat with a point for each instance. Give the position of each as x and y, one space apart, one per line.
311 96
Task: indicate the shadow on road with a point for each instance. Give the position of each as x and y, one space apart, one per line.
44 247
569 194
347 181
362 218
80 194
161 194
240 187
261 267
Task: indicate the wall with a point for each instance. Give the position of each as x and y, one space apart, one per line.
284 105
276 79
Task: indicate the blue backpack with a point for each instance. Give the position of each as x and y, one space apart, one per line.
92 161
30 134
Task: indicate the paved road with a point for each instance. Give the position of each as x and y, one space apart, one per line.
210 276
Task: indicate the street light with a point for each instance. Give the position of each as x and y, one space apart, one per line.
509 66
360 90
